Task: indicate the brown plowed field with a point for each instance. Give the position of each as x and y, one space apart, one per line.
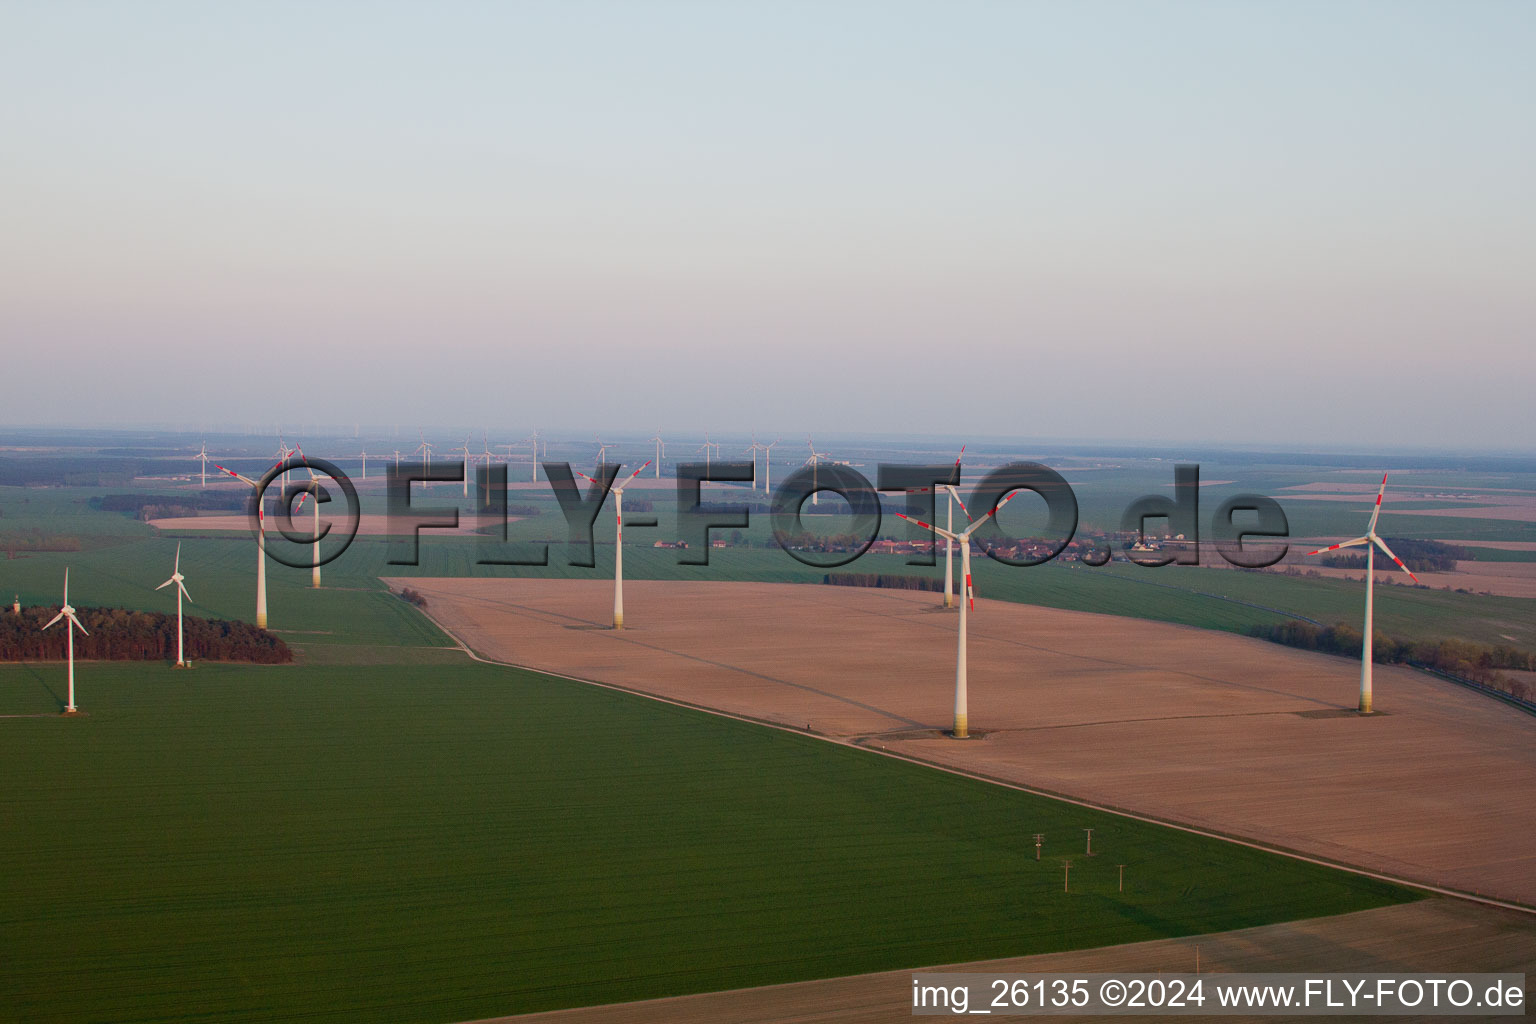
1213 730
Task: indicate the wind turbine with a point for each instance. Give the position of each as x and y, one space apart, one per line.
181 591
1371 542
468 461
284 453
261 547
618 543
949 524
202 456
816 459
73 624
768 465
968 601
753 449
425 448
661 449
602 450
705 447
365 465
314 570
533 439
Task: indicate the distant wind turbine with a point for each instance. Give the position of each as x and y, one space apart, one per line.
202 456
68 612
967 601
1371 542
661 449
949 524
618 542
705 447
468 461
768 464
816 459
425 448
261 546
181 591
314 569
753 449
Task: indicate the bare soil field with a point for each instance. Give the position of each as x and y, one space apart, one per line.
1208 729
369 524
1507 579
1430 936
1522 512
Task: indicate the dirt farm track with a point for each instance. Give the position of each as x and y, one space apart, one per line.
1221 732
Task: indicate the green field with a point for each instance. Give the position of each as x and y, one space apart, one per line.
344 842
385 830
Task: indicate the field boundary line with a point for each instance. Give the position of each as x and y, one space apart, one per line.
1121 812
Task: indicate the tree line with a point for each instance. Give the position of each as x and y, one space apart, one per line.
1461 658
118 634
886 581
1418 555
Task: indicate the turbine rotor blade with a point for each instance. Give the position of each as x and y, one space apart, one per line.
975 525
1376 513
78 626
165 584
183 588
1390 554
55 619
1343 544
237 476
927 526
954 492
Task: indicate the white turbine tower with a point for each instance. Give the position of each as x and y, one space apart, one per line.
202 456
468 461
1371 542
705 447
261 547
661 449
949 524
816 459
425 448
533 439
618 543
602 450
181 591
314 570
768 465
752 450
365 464
284 453
67 612
968 600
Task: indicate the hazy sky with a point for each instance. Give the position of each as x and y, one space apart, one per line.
1282 223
